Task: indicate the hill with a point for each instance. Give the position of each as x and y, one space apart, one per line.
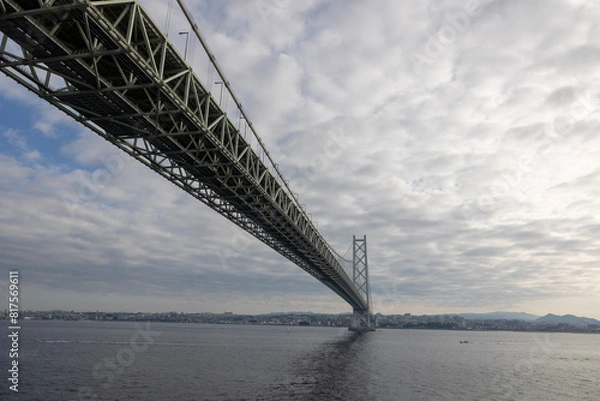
567 319
526 317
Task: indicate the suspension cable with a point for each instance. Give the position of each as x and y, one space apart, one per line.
343 257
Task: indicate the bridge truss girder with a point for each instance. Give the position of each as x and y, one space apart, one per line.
109 66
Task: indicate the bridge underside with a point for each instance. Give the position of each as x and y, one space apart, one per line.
110 67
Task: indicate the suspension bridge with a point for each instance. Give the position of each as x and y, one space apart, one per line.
109 66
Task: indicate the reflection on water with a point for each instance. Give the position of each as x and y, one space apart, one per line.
334 371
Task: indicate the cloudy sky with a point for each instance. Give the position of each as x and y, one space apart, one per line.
460 136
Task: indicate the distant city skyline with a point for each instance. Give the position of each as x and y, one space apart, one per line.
493 321
460 137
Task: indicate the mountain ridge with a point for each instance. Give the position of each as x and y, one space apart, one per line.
572 320
499 315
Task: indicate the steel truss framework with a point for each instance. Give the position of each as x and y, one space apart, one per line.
110 67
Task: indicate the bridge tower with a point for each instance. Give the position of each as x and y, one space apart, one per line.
362 319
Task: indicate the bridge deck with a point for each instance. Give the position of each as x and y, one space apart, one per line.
108 65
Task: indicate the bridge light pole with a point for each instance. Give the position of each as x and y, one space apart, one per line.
221 95
245 125
187 36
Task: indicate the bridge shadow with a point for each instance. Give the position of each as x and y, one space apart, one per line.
338 369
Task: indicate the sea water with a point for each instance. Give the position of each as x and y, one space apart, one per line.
63 361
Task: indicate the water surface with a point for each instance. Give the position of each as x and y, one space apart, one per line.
125 361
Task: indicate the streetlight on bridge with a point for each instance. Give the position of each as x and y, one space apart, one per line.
187 36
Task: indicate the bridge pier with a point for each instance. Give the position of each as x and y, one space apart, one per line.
362 319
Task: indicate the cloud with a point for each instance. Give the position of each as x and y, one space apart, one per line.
462 141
